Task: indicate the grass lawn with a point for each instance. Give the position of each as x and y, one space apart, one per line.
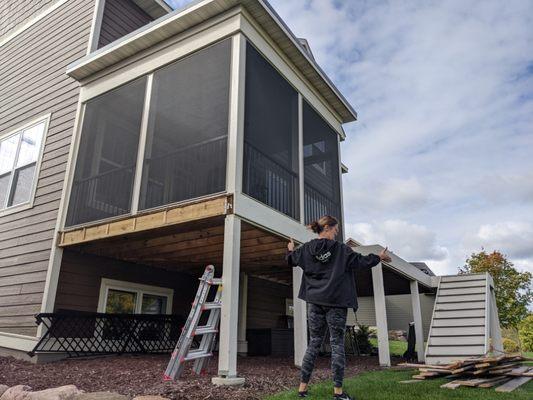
383 385
396 347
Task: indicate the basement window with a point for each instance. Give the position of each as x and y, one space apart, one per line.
20 156
121 297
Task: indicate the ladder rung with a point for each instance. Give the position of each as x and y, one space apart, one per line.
211 306
193 355
202 330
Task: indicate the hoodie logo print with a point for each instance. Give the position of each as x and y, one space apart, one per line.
323 258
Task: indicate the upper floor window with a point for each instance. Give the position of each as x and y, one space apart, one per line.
20 154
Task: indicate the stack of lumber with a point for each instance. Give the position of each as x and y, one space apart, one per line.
506 372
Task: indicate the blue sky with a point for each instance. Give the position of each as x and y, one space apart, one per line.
440 160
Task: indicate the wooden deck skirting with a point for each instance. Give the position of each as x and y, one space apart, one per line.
142 222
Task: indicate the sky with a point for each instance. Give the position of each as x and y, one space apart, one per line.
440 162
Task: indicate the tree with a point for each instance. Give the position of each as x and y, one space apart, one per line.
513 288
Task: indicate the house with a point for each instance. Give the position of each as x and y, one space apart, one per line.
138 145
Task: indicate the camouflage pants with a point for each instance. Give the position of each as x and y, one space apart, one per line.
317 318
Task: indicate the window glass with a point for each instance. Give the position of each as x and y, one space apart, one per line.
120 302
4 186
153 304
321 167
18 163
107 155
8 152
185 153
22 185
270 136
30 145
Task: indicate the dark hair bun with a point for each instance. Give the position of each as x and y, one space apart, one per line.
315 227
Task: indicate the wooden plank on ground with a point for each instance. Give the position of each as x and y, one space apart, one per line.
513 384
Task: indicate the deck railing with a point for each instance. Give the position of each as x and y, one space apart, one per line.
80 333
270 182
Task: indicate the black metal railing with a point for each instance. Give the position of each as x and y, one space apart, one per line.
104 195
269 182
318 204
79 333
191 171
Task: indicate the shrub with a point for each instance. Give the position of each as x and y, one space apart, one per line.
525 333
510 346
362 335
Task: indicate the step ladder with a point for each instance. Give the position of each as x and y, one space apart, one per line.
183 352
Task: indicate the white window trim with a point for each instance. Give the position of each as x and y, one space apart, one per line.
19 129
138 288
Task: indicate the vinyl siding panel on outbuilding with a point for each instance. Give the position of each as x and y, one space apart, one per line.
33 83
399 312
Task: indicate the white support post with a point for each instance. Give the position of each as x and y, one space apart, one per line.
300 318
236 115
242 343
417 318
227 354
381 315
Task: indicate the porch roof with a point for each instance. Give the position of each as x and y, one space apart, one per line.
400 266
200 11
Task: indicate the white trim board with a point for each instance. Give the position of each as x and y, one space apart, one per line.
32 21
17 342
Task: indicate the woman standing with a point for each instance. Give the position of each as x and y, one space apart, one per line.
328 286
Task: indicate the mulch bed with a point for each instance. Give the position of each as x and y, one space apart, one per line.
137 375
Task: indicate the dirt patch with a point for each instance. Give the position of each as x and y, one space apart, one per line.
141 375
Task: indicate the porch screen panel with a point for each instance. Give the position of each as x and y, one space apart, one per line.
105 166
270 168
321 167
185 154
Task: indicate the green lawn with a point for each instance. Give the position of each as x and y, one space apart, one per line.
396 347
383 385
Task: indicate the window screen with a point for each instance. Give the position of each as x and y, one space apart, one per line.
270 136
105 167
186 151
321 167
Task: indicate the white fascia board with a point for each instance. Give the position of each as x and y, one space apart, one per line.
398 265
267 218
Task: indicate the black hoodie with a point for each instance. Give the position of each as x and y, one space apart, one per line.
328 271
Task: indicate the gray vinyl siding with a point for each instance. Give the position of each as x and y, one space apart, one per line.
33 83
14 13
266 303
399 312
120 18
81 276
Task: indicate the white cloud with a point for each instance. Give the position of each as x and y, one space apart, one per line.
513 238
409 241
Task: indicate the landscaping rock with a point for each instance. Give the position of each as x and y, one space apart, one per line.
3 388
16 393
67 392
150 398
23 392
100 396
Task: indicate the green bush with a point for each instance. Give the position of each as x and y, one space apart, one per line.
525 333
510 346
363 335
